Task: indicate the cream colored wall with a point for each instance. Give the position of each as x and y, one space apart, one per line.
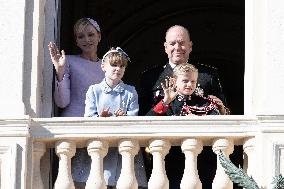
269 149
26 76
12 32
273 86
52 17
14 148
264 47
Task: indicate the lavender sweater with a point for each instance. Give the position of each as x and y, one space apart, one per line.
70 93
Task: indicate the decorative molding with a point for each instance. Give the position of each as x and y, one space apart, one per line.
278 153
8 159
143 126
15 127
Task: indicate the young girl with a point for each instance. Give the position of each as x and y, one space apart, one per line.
112 97
181 97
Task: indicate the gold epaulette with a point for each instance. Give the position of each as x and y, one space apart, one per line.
208 66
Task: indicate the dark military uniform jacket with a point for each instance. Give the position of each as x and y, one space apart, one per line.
151 91
186 106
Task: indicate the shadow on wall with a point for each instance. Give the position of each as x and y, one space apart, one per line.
27 64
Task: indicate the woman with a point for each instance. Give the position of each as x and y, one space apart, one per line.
74 75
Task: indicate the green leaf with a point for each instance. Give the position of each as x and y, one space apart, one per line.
237 175
278 182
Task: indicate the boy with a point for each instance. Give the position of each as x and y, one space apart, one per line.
181 98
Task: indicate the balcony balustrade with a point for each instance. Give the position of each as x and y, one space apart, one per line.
159 134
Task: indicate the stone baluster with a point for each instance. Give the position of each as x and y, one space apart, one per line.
222 180
39 149
191 148
159 149
128 149
249 149
97 150
65 150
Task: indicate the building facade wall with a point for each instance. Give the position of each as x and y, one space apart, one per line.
12 56
26 74
264 57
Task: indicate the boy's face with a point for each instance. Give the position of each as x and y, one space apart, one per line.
186 83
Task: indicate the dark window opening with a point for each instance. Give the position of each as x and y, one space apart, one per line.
216 28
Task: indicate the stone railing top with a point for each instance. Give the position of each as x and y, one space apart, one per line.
143 128
15 126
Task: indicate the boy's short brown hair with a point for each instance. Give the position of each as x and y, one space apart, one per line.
184 68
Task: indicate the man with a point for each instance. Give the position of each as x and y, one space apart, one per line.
178 46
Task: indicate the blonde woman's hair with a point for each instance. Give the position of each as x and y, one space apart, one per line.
82 23
184 68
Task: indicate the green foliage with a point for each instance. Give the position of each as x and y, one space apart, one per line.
278 182
237 175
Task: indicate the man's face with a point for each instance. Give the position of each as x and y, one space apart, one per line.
178 45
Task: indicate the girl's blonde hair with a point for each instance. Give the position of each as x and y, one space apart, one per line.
184 68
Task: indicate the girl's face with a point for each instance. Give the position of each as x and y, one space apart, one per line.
186 83
88 38
113 72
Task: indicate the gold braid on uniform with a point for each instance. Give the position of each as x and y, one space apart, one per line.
188 110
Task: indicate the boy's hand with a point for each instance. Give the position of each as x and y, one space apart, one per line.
219 103
119 112
169 90
105 113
